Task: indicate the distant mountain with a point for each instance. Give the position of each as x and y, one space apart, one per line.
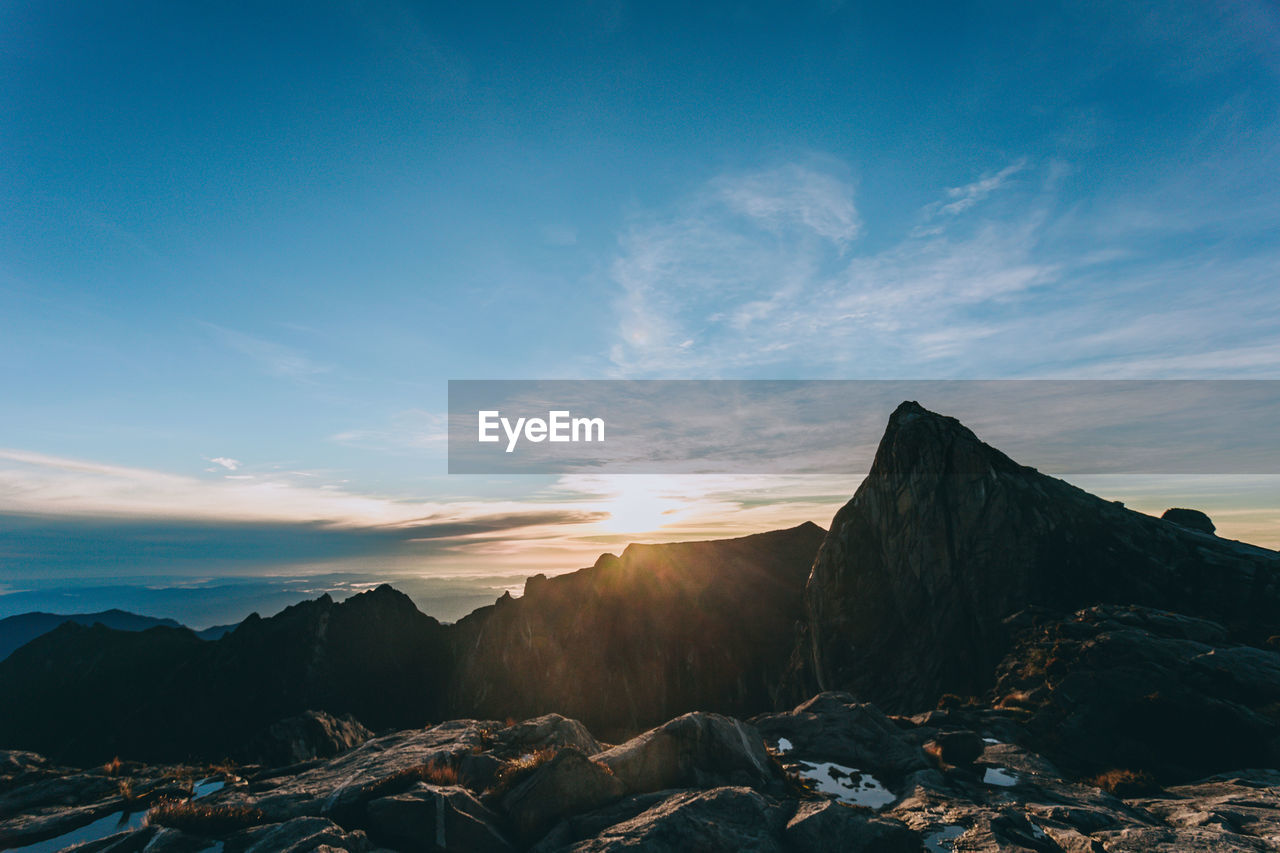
17 631
85 694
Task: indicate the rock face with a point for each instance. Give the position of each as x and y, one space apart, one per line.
637 639
87 694
1140 689
947 536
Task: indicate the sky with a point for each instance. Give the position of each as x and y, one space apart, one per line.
244 246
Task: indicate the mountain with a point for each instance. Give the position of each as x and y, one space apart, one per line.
953 570
631 641
947 537
86 694
640 638
17 631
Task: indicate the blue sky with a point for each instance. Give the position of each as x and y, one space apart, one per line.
268 233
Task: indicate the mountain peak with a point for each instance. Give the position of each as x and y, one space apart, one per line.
947 536
919 441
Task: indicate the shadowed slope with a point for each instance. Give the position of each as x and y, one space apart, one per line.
640 638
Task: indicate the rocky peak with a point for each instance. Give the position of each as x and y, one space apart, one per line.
946 536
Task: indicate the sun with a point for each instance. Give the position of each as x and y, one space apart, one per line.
638 510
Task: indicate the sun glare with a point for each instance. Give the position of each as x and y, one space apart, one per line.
640 508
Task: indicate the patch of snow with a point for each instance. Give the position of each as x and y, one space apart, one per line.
1000 777
784 745
991 740
205 787
847 784
943 840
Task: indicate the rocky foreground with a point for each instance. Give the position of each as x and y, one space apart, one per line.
834 774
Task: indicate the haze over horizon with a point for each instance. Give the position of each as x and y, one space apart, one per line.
242 249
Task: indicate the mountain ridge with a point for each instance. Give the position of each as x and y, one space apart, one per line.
906 598
20 629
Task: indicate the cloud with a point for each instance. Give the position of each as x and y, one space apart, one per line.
413 429
793 196
558 234
273 358
736 280
766 278
965 197
226 462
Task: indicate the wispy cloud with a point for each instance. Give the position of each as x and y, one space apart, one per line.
1000 277
705 293
273 358
225 462
960 199
794 196
413 429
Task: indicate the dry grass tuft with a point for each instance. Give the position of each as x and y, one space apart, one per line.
516 771
1126 783
440 773
209 821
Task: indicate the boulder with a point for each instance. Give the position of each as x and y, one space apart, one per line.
439 818
832 827
579 827
309 735
568 783
836 727
1192 518
694 750
300 835
340 788
955 748
167 840
721 820
550 731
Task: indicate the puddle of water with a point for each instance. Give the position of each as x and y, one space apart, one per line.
784 745
205 787
100 828
1000 777
943 841
847 784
